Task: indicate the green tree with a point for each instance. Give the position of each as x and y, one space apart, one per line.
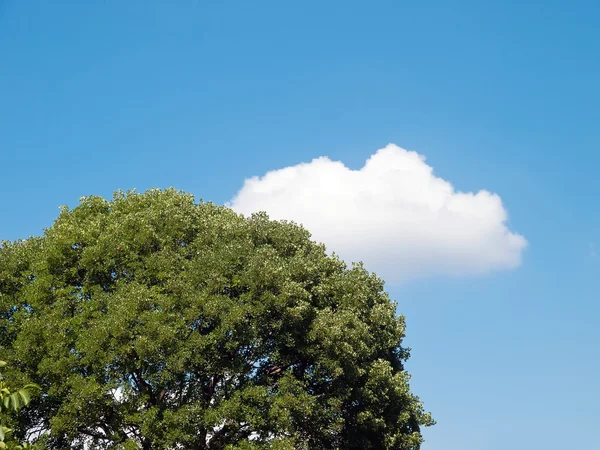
152 321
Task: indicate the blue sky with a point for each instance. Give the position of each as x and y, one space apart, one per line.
502 96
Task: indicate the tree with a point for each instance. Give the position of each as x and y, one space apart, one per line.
151 321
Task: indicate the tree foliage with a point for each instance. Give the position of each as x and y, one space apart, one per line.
152 321
12 400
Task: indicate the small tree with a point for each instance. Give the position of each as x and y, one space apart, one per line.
155 322
12 400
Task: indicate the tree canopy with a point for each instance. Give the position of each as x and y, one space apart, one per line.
152 321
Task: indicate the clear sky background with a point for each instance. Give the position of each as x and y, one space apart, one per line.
502 96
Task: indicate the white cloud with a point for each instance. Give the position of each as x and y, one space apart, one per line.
393 214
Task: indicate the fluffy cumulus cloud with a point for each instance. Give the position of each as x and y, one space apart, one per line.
393 214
